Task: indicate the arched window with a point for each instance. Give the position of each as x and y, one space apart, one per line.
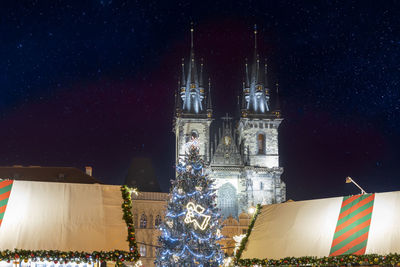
194 134
261 186
142 250
157 221
143 221
261 144
191 135
227 200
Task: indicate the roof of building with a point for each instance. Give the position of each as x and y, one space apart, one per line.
141 175
46 174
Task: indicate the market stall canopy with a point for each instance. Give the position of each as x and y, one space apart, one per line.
61 216
360 224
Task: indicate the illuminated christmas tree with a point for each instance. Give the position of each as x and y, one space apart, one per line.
191 228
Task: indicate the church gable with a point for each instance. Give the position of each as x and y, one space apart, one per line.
226 152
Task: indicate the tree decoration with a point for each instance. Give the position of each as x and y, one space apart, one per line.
176 258
218 233
199 188
64 257
192 239
170 224
194 211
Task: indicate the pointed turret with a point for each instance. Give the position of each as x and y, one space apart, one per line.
277 110
255 91
192 90
209 104
243 105
201 84
247 85
266 83
178 100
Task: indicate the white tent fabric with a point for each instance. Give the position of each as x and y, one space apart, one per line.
306 228
66 217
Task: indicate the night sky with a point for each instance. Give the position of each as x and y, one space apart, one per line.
92 83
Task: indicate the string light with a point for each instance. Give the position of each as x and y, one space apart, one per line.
133 191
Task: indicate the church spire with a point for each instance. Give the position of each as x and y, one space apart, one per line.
255 37
192 92
266 84
191 35
255 91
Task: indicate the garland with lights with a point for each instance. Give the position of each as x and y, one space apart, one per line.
349 260
128 218
244 240
56 256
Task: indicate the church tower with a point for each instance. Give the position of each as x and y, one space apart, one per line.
258 136
193 111
243 157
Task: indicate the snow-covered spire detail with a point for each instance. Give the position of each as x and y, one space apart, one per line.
192 90
256 91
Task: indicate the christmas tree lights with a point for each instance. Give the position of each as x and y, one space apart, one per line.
191 228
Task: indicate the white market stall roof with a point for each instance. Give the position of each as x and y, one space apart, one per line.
61 216
361 224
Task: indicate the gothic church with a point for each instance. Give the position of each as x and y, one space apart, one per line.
243 159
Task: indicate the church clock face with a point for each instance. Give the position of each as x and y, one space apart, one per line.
227 140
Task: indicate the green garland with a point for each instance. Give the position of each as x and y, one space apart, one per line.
128 217
349 260
244 240
57 256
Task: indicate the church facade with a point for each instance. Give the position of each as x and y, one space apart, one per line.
241 155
